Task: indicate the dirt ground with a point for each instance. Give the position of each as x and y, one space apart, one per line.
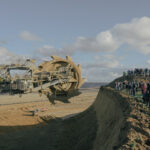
108 121
16 111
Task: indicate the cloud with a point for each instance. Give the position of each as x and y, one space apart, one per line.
102 64
102 70
3 42
7 57
109 56
48 50
102 75
97 57
135 33
26 35
148 62
104 42
107 68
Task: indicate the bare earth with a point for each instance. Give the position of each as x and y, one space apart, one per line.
18 111
113 120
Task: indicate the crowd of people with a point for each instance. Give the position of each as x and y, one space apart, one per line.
133 87
138 72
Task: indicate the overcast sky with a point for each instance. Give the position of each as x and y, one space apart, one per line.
105 36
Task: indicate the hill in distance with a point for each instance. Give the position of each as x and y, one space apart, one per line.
93 84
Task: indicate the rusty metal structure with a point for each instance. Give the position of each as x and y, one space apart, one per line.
17 77
55 78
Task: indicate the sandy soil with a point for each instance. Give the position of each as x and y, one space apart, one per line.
113 121
21 113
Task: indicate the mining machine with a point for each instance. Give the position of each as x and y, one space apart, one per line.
58 77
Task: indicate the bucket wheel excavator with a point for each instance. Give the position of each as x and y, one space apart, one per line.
58 77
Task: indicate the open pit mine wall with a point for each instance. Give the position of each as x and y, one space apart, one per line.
102 126
112 110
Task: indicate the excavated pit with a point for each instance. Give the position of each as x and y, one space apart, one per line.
111 112
102 127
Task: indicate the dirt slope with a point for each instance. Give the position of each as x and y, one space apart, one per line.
101 127
114 121
111 111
